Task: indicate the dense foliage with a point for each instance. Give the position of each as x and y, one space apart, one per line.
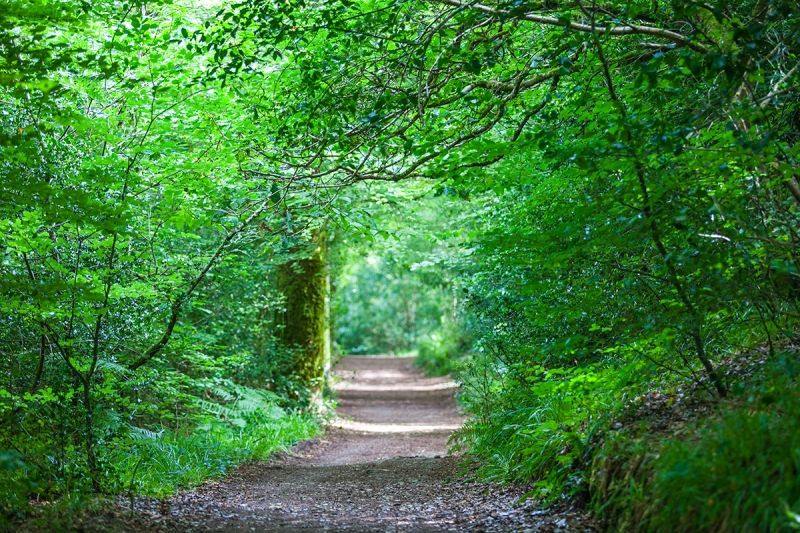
135 296
590 205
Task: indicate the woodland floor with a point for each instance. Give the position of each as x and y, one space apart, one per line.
381 466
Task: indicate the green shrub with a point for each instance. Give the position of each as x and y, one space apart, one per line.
440 352
15 487
224 424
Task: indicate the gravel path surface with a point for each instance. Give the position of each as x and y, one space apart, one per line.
382 466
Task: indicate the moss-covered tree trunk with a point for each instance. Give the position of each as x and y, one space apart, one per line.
304 282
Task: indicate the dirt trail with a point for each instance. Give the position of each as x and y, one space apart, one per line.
382 466
387 409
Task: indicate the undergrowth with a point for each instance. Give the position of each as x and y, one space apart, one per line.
159 464
225 424
735 471
618 438
541 429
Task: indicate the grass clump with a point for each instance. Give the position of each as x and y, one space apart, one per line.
162 464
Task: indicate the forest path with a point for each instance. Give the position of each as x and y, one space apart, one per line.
387 409
381 466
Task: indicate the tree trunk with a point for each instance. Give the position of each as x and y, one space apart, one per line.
305 284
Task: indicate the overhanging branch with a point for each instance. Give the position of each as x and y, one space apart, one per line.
622 29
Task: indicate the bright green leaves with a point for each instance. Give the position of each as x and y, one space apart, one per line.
117 191
26 234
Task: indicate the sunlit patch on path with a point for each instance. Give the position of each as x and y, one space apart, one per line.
366 427
368 387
